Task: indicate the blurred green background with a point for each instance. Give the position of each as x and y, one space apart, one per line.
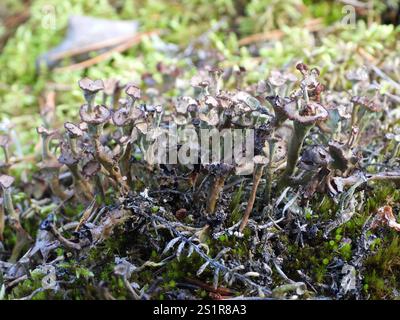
259 35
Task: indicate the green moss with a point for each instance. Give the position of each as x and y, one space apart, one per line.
345 251
325 209
26 287
382 275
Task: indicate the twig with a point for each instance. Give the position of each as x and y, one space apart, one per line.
121 48
282 274
384 76
252 198
92 47
29 297
132 291
67 243
16 281
311 25
356 3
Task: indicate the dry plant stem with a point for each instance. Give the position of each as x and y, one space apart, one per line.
92 208
111 167
351 140
216 189
256 181
100 232
311 25
305 94
83 187
268 173
125 165
99 45
23 237
383 177
99 187
47 107
106 55
124 162
362 123
54 182
6 159
8 205
299 133
132 291
89 97
115 98
2 222
16 281
46 146
56 188
46 140
354 113
65 242
72 145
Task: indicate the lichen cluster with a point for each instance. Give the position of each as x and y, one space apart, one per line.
309 221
